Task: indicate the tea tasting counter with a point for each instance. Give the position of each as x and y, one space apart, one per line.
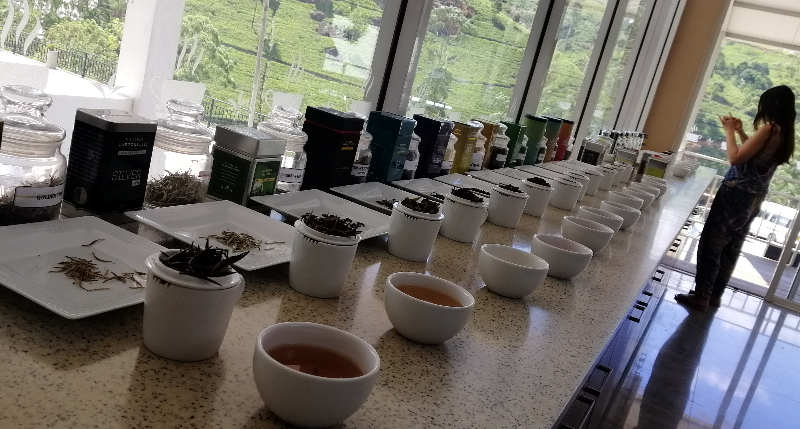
517 364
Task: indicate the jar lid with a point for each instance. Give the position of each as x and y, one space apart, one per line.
24 116
183 127
283 122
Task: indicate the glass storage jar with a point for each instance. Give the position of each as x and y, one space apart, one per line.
181 162
32 168
283 122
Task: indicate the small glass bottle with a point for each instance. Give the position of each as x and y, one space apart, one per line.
499 151
363 154
283 122
412 159
522 153
449 156
181 163
32 168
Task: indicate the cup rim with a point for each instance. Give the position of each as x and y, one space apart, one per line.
175 278
620 206
497 246
419 215
621 195
584 249
537 186
333 240
505 192
636 191
371 350
463 202
594 210
471 304
596 226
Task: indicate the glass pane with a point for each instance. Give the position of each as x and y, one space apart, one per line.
743 71
470 59
629 31
86 34
577 37
315 53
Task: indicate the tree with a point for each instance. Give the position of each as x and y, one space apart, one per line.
86 35
202 57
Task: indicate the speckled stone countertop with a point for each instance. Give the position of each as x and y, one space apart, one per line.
515 364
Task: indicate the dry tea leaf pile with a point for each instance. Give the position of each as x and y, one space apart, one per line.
422 205
241 241
332 224
511 188
467 194
175 189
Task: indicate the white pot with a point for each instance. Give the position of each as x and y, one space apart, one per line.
620 174
462 219
609 176
582 179
412 234
52 59
506 207
591 234
645 196
185 318
565 193
629 214
567 258
510 272
627 170
595 177
681 170
423 321
308 400
628 200
611 220
538 198
319 263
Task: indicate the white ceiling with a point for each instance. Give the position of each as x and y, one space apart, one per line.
776 21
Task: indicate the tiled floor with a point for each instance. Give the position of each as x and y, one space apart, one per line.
736 367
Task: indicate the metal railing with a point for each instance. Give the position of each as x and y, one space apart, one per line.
83 64
220 112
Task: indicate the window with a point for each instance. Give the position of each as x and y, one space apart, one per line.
628 33
470 59
86 33
577 36
314 53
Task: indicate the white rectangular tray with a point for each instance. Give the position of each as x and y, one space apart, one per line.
29 252
191 223
296 204
368 194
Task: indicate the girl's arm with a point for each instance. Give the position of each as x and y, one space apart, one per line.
740 154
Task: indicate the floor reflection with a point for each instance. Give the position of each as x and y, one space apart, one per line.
732 368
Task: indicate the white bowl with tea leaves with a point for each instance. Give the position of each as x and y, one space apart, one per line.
413 228
506 204
322 254
464 213
187 307
313 375
426 309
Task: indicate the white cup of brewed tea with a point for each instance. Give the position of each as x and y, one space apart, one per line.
313 375
426 309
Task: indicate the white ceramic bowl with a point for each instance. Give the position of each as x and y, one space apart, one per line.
412 234
681 170
462 219
628 200
511 272
538 198
629 214
609 176
422 321
611 220
591 234
506 207
649 188
308 400
319 263
567 258
565 193
644 196
647 177
661 186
